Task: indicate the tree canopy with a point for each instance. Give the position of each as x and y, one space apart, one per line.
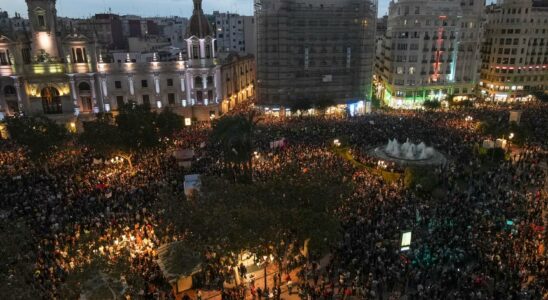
273 217
234 135
39 134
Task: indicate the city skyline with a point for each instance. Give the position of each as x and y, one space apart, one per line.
160 8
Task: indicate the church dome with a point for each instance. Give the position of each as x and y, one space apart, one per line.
199 25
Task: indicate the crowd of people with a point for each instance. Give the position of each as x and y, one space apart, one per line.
479 235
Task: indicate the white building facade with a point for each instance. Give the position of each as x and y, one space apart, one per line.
235 33
68 78
431 51
515 52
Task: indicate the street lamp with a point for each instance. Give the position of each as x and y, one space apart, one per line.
265 275
337 143
511 136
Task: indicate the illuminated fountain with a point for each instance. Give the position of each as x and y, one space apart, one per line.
408 153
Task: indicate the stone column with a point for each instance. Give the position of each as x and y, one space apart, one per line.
93 93
182 77
131 86
74 94
189 82
157 90
204 81
218 85
202 49
17 85
4 104
106 103
157 84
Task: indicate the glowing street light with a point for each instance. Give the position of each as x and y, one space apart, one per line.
337 143
511 136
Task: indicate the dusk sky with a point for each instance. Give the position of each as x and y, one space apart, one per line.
86 8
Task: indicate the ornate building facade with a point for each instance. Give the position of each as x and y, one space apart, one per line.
66 76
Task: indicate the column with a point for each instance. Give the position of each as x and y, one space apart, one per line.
76 107
157 90
93 93
202 48
17 85
204 81
218 85
182 77
4 104
189 95
157 84
106 104
131 86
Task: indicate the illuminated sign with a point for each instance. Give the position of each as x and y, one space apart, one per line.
405 241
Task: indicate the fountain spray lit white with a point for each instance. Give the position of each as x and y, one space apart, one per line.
408 150
408 153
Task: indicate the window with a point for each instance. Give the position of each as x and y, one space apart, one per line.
208 51
144 83
41 20
195 52
118 84
169 82
171 99
26 55
5 57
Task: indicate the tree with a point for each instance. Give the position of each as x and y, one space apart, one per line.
274 217
102 135
324 103
169 122
431 104
235 134
39 134
541 96
137 126
302 105
134 128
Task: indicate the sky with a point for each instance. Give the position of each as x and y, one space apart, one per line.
183 8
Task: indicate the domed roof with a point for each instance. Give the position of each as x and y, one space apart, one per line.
199 25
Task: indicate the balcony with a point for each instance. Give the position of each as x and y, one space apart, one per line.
44 69
7 70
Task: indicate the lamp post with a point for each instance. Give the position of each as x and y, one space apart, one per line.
265 275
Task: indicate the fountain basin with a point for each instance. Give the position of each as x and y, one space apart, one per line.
408 154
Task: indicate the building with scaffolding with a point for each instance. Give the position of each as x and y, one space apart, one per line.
431 51
314 51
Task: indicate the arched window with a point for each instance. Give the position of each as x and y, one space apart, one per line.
208 51
9 91
79 55
51 102
198 82
195 52
209 80
84 87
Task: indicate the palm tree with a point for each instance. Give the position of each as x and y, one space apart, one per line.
235 135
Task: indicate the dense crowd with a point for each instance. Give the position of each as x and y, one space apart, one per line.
480 235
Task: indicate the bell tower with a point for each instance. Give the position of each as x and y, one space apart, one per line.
43 23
